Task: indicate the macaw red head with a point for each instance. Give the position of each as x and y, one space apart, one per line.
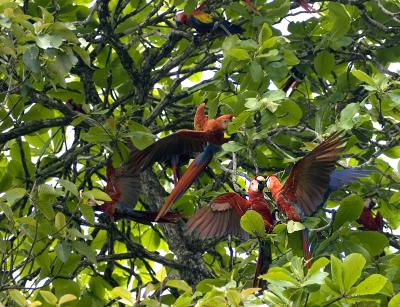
224 120
181 19
271 182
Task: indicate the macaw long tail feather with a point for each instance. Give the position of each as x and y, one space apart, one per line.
145 217
183 184
175 169
191 174
263 262
306 248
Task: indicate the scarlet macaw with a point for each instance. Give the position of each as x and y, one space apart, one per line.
367 218
214 130
117 183
205 23
183 142
222 217
309 183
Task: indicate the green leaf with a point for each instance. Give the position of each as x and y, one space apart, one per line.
14 195
347 116
371 285
337 272
69 186
88 213
18 298
265 33
234 297
341 20
30 59
353 265
238 122
324 63
290 57
373 241
232 146
141 139
316 278
49 297
7 211
349 210
393 152
97 195
48 41
67 298
395 198
362 76
190 6
289 113
63 251
121 292
279 274
240 54
256 72
253 104
60 222
253 223
318 265
395 301
293 226
179 284
85 250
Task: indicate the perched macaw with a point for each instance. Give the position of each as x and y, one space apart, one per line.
367 218
222 217
182 142
214 129
115 185
205 23
310 182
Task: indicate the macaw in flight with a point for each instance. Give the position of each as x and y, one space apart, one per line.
126 179
115 185
310 182
222 217
214 130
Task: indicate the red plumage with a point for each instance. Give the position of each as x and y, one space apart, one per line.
113 189
124 185
222 217
307 183
368 219
212 132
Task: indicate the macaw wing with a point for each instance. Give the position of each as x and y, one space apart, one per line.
341 177
179 143
129 186
220 218
309 178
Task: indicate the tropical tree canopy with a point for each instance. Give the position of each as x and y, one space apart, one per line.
83 82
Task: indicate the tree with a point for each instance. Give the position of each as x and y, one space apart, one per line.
130 74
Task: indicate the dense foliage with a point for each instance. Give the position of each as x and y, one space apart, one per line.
133 75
